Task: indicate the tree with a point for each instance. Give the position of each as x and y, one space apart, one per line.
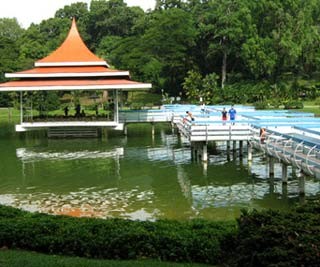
196 87
10 29
169 38
111 18
226 23
168 4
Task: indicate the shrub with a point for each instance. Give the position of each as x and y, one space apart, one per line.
273 238
191 241
261 105
294 104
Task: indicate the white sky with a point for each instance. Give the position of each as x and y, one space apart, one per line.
28 11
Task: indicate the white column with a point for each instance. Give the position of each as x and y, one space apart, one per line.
302 183
204 153
21 108
284 173
240 148
116 107
271 166
153 129
249 152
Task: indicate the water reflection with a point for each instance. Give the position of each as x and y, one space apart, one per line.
31 155
140 177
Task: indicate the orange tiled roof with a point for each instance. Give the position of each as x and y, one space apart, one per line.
69 82
76 69
72 50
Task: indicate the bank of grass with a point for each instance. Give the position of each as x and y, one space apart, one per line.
18 258
312 106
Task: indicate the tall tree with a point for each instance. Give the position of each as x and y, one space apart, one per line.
227 23
112 17
169 38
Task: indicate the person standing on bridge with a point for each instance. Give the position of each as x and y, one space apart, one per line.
262 135
189 114
232 114
224 114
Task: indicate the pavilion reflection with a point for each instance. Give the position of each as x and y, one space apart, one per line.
32 155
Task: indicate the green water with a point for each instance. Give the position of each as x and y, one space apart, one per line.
137 177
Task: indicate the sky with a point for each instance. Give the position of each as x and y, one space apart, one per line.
28 11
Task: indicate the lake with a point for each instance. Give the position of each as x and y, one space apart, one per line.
138 177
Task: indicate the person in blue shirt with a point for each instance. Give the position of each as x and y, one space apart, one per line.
232 114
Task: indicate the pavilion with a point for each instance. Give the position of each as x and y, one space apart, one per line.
71 67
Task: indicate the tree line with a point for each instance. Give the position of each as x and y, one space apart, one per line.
223 51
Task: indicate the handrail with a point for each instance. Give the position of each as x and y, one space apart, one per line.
306 130
276 152
295 153
284 154
296 139
307 159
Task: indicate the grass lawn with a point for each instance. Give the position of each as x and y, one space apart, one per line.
15 258
9 114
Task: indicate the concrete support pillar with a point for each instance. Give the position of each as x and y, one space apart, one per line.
173 128
302 184
241 148
271 185
153 130
125 130
271 166
193 151
228 151
284 173
228 145
9 114
234 146
21 108
284 190
249 151
204 155
205 169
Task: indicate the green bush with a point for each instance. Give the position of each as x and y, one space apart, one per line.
261 105
273 238
191 241
294 104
